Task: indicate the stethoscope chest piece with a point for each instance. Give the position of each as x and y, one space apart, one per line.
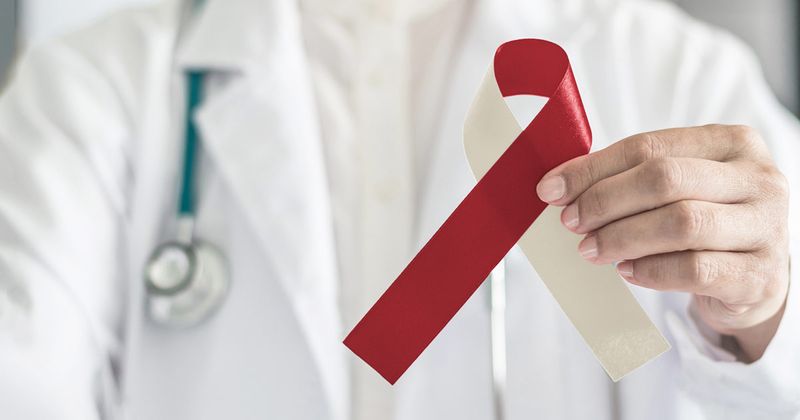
185 283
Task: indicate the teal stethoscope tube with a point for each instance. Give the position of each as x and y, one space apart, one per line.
194 96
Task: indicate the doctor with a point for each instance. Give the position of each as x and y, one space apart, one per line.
329 151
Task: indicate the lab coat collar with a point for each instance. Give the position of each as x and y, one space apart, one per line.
260 130
234 35
396 11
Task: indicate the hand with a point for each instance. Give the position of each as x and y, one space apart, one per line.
701 210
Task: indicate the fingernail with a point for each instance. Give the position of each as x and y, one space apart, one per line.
570 216
551 188
625 269
588 247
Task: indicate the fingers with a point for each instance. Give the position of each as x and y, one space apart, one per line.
736 278
719 143
655 183
683 225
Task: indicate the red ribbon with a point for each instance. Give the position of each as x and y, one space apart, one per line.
490 219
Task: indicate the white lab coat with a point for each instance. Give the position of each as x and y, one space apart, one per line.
90 141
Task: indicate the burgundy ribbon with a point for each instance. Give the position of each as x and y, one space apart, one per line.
490 219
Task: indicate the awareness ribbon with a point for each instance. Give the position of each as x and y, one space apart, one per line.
501 211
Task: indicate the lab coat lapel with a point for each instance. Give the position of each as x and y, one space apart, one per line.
261 131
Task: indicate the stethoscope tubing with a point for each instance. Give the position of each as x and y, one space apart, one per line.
204 281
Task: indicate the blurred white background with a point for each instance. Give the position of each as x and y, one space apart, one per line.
769 26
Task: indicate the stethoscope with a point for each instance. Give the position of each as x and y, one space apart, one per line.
186 279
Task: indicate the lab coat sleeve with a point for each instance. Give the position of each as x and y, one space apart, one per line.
722 83
62 176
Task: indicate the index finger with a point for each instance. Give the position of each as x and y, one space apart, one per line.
566 182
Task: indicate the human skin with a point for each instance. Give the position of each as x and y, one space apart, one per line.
702 210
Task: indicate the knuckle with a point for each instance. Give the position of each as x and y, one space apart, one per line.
747 139
639 149
744 134
770 276
592 174
592 204
688 222
780 183
663 176
773 287
775 182
701 271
